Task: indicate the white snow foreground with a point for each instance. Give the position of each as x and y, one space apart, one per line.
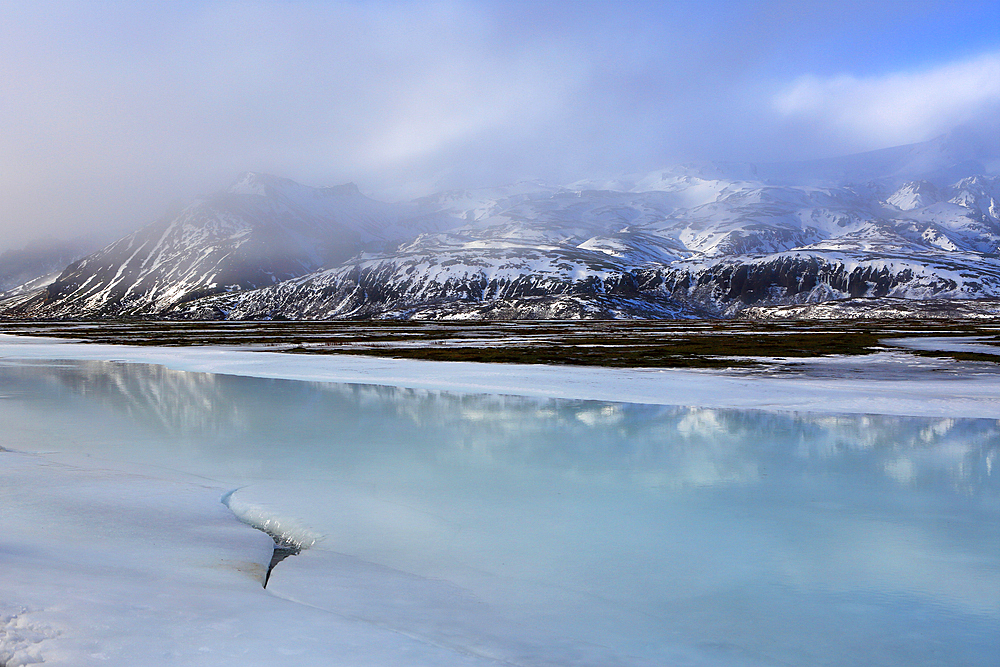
104 565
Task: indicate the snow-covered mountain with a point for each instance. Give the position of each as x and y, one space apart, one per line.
604 254
261 230
915 222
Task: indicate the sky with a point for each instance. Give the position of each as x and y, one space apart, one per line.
114 112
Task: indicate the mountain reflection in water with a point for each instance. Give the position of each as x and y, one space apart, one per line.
219 417
785 535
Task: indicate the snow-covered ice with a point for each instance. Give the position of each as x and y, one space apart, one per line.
972 344
469 514
109 564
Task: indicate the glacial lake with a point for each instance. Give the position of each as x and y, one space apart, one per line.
569 532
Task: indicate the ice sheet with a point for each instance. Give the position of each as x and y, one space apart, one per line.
104 563
479 528
972 344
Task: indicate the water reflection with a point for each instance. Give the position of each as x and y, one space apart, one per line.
656 447
777 538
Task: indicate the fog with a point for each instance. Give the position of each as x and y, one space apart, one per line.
113 112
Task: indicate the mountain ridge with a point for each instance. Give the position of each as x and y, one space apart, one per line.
692 241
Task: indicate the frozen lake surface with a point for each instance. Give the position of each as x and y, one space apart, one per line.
478 528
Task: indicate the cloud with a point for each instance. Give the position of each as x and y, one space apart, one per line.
112 111
109 115
896 108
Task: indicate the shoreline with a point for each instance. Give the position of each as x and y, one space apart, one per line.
843 386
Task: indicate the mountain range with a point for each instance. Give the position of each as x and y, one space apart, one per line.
918 222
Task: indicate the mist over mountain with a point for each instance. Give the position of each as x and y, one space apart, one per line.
114 112
916 222
21 267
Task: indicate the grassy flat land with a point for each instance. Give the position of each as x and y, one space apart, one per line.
622 343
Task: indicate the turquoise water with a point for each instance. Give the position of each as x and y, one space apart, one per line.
546 532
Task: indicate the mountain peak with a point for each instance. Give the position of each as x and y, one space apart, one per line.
913 195
256 183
